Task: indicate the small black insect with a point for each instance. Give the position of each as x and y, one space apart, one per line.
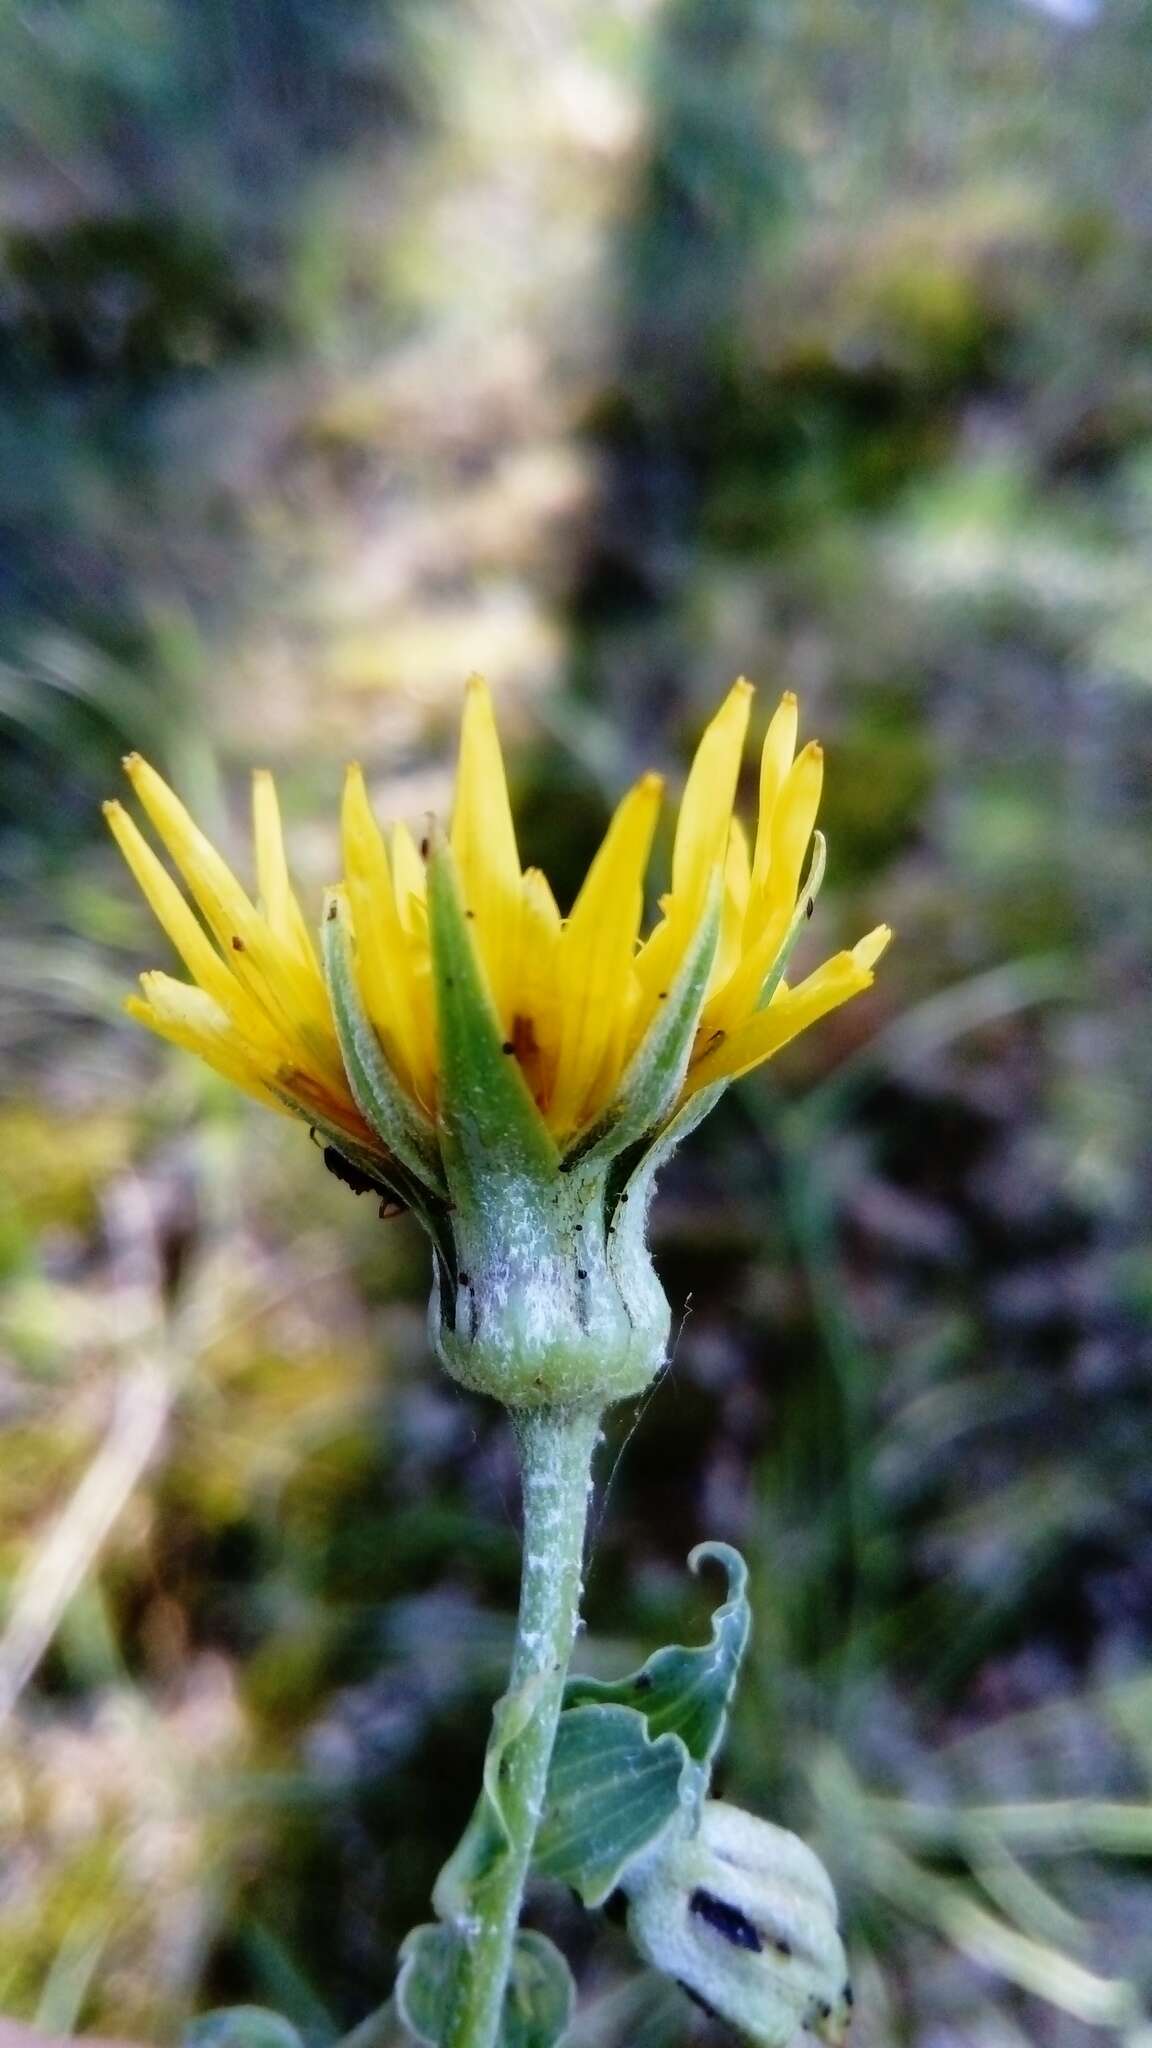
362 1183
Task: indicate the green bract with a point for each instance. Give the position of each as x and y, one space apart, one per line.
549 1298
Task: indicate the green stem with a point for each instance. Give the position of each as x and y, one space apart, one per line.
556 1447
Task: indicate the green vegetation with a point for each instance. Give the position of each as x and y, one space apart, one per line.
612 350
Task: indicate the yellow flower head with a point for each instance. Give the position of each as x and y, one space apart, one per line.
577 998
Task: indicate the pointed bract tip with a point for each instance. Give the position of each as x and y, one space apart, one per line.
435 841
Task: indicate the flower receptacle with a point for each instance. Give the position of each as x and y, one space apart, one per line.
541 1308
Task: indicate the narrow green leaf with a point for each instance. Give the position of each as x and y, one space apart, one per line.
486 1108
538 2002
378 1094
656 1071
612 1790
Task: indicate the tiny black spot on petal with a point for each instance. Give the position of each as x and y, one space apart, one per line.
508 1045
238 943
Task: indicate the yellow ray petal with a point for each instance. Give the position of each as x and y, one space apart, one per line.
734 906
484 843
278 899
730 1002
792 823
597 949
536 1027
621 1043
189 938
775 761
410 882
872 947
791 1011
701 845
772 903
659 957
288 989
189 1018
271 864
709 794
383 956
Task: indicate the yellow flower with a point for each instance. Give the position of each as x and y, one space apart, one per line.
257 1009
576 997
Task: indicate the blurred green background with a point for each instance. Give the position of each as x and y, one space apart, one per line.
612 349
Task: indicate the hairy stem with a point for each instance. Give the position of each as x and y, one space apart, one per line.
556 1446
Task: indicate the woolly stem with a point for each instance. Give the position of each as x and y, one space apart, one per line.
556 1447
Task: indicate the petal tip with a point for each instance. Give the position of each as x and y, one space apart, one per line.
868 950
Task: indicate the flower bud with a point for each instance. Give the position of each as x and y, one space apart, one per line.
742 1914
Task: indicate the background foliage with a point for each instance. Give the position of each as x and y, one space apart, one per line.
612 349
